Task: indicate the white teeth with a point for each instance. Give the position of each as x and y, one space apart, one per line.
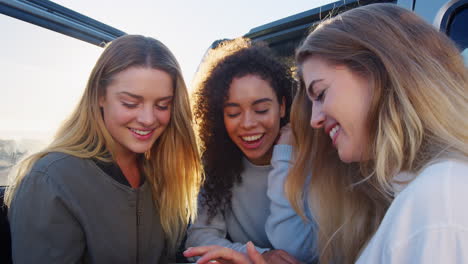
333 131
252 138
141 132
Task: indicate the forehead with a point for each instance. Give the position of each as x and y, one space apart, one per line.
314 68
146 82
249 88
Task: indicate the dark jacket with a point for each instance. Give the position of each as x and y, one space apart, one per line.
67 210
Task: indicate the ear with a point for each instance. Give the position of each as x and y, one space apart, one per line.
101 101
283 107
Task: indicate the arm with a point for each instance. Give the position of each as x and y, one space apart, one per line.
201 233
42 228
286 230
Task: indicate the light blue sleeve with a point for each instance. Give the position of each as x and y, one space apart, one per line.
285 229
201 233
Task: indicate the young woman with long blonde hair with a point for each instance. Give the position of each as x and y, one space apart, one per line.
118 183
381 121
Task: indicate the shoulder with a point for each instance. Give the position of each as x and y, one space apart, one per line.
434 199
58 165
442 179
282 152
436 183
46 175
450 168
56 160
430 209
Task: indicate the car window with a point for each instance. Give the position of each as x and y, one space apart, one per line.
43 75
465 56
458 30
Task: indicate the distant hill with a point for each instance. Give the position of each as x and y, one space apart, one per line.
12 151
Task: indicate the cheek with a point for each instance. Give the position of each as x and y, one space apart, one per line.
229 124
115 114
164 117
272 122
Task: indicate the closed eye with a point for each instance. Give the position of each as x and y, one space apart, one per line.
129 105
164 104
320 96
163 107
261 111
232 115
160 107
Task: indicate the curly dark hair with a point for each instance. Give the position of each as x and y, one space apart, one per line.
222 159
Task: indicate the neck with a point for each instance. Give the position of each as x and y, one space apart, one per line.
126 160
130 169
263 160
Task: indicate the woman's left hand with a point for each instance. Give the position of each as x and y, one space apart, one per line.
218 254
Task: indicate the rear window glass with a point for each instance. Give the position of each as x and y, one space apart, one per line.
458 30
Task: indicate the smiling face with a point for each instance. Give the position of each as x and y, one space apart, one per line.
341 101
137 108
252 116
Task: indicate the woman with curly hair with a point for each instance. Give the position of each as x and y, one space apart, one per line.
242 99
381 115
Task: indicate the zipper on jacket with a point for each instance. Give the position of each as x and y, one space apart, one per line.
137 225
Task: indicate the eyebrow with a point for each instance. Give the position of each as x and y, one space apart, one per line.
139 97
310 88
262 100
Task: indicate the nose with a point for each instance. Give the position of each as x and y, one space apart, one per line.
317 118
248 120
146 116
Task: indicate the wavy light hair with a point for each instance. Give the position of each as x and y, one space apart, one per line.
172 166
417 116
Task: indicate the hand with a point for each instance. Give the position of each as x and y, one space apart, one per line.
278 257
218 254
285 135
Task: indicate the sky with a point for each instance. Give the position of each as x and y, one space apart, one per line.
44 73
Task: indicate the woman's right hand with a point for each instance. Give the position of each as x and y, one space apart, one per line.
218 254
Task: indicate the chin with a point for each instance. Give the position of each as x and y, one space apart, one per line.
140 150
346 158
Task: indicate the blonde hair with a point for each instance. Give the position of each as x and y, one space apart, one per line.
172 165
418 115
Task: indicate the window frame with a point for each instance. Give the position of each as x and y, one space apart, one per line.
55 17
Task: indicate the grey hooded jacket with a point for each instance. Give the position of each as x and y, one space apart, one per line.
67 210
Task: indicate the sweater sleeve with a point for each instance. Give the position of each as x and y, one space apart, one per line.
201 233
286 230
43 230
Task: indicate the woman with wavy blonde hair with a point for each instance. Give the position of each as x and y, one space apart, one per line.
386 96
118 184
381 121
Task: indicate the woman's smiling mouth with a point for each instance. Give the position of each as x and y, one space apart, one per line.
142 134
252 141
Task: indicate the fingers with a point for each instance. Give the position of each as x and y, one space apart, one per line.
287 258
279 256
254 255
220 254
198 251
